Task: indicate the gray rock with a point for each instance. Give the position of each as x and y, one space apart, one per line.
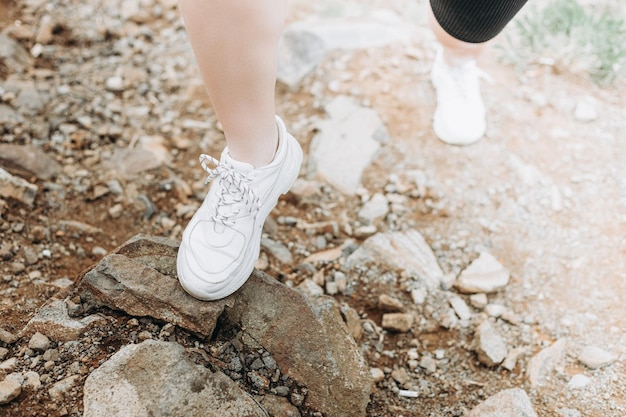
300 52
9 118
39 342
7 337
509 403
578 381
345 145
428 364
568 412
277 250
377 375
484 275
543 363
9 390
13 55
128 162
140 278
53 320
157 379
29 101
490 346
309 342
594 357
406 251
3 353
8 365
479 300
374 210
279 406
62 388
460 307
398 322
17 188
28 161
388 303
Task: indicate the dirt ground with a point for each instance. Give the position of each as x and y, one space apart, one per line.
544 192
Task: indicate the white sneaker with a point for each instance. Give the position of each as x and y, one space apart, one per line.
459 118
221 243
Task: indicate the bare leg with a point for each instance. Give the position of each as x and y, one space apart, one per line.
236 46
455 51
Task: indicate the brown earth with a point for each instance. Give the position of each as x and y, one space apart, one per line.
543 192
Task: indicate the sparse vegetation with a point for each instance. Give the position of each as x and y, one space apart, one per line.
588 40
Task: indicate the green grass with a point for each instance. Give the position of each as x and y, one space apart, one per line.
584 40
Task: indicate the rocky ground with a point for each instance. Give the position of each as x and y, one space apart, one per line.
462 273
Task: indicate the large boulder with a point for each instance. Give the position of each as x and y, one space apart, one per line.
309 342
308 338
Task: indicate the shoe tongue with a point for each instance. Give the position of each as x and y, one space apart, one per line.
238 165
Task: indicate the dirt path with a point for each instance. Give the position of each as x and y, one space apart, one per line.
544 192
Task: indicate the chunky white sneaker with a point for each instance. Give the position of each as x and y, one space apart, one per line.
459 118
221 243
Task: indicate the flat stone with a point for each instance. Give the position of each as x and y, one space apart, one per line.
543 363
397 322
568 412
62 388
157 379
375 210
8 365
9 118
277 250
53 320
300 52
29 101
128 162
7 337
10 389
578 381
479 300
406 251
17 188
388 303
13 55
140 278
460 307
509 403
279 406
484 275
345 145
27 161
594 357
308 340
490 346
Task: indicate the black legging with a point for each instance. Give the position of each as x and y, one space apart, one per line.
475 21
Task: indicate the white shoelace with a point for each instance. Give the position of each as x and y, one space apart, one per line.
236 197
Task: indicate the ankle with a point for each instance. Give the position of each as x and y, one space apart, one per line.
257 153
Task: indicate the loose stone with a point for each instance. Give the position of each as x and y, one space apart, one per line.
398 322
39 342
594 357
